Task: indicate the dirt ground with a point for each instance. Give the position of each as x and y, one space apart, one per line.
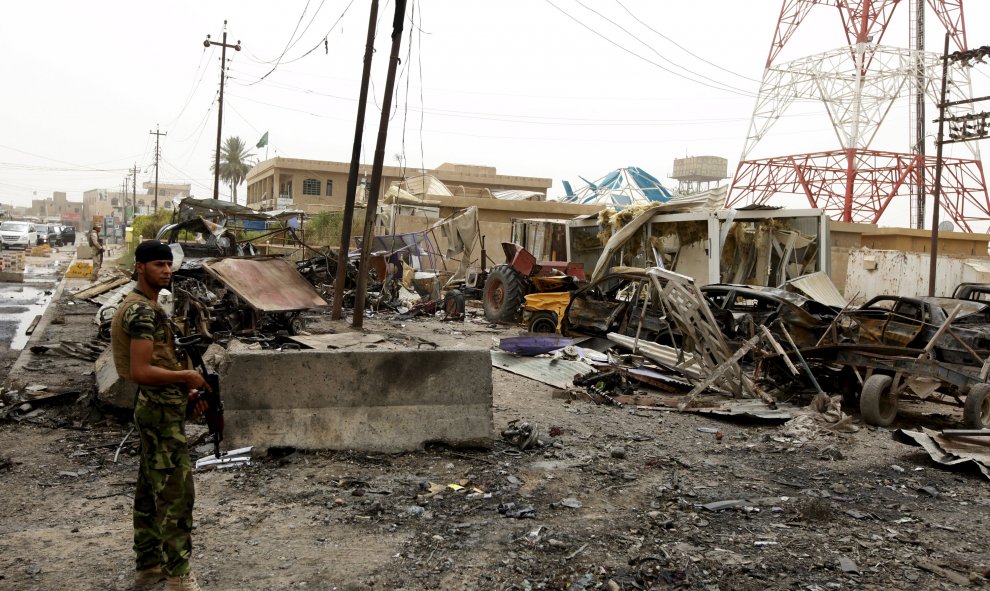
617 502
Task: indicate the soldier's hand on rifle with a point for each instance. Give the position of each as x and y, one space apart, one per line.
196 383
199 405
195 380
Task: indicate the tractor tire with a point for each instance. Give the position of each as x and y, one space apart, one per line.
976 412
543 321
877 403
504 294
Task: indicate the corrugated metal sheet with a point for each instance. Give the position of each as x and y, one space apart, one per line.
819 287
950 451
558 373
266 284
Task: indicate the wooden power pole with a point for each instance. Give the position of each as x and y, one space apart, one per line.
158 154
223 74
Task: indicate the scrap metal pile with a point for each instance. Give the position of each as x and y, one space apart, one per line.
652 337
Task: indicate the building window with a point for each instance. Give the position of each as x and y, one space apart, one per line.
329 187
311 187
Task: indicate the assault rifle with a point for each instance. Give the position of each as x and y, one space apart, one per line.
214 405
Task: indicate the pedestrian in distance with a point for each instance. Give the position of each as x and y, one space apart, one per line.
144 352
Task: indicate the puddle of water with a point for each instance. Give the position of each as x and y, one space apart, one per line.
33 303
22 302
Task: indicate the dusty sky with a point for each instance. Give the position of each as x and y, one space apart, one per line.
522 85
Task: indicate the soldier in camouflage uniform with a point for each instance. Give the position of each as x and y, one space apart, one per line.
144 352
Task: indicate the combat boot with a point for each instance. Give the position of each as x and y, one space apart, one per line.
147 578
183 583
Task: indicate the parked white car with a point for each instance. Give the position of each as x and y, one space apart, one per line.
18 235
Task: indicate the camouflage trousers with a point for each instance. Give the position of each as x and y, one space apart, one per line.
163 501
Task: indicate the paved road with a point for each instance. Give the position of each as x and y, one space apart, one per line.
21 302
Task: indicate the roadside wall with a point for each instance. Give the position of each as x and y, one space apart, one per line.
368 400
876 272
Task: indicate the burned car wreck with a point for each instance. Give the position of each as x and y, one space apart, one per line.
741 309
915 322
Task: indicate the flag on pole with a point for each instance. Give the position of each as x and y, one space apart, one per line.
263 141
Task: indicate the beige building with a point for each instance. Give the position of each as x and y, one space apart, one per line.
313 186
104 203
56 208
316 185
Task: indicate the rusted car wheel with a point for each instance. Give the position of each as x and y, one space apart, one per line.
503 296
976 412
877 403
543 321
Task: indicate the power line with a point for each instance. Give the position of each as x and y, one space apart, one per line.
196 83
315 47
648 60
654 50
681 47
534 119
289 42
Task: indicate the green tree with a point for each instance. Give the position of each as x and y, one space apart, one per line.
235 162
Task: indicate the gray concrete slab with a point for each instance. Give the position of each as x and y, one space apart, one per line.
368 400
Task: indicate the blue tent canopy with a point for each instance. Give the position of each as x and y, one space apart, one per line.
620 188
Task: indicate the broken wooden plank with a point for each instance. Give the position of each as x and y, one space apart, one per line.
33 325
101 287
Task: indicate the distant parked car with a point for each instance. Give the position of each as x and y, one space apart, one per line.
48 235
18 234
68 235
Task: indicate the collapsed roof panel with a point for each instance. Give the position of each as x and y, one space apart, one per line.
266 284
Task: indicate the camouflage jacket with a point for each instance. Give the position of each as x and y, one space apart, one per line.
140 318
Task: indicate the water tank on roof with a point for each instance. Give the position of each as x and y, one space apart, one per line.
700 169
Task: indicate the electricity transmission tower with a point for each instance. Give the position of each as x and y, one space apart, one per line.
858 84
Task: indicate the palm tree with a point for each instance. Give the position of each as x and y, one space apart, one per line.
235 162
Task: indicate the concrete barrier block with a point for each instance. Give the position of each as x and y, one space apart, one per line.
110 388
368 400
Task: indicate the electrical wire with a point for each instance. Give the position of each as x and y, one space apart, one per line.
513 118
298 39
195 85
681 47
315 47
654 50
648 60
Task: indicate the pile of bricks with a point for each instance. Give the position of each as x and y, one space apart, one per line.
12 262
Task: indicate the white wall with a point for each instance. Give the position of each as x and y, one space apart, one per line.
893 272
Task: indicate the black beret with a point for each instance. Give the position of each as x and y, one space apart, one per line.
152 250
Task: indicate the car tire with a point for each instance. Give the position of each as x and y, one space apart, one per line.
543 321
503 295
976 411
877 403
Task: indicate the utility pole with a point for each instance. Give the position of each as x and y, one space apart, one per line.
938 169
352 177
123 206
123 213
134 173
376 167
223 69
158 154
